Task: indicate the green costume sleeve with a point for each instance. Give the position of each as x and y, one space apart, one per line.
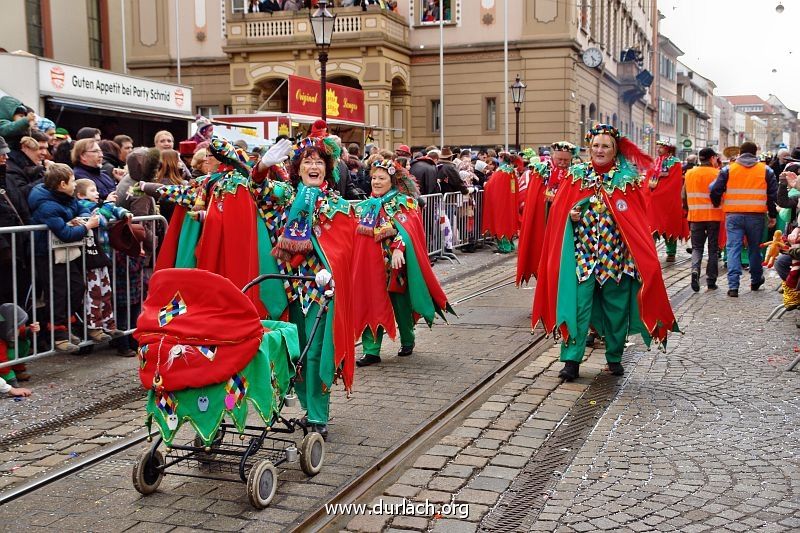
421 301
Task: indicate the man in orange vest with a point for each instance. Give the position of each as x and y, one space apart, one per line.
750 190
703 217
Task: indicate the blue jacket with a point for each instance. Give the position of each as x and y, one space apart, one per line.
105 184
54 209
107 213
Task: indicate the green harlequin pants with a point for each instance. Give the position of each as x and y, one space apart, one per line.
504 245
309 390
614 300
671 245
401 303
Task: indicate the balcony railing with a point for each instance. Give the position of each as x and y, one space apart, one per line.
293 28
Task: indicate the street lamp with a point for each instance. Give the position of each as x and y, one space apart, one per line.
322 27
518 97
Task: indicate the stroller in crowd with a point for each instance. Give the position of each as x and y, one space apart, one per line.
206 358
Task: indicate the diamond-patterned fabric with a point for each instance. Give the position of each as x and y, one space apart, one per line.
306 291
599 248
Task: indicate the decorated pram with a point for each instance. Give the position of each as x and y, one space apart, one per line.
206 359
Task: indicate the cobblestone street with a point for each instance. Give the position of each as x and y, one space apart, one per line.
701 438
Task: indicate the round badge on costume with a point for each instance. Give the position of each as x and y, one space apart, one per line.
622 205
317 231
401 217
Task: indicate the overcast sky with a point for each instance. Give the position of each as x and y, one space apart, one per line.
738 43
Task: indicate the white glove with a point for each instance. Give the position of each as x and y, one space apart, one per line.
278 153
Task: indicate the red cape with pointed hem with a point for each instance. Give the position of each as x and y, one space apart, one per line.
531 233
415 229
169 248
228 245
664 205
654 307
501 208
336 241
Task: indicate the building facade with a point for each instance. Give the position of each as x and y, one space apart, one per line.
668 54
394 58
695 110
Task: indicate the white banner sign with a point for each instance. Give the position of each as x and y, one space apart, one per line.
102 86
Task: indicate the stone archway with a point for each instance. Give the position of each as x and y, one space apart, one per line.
400 112
273 94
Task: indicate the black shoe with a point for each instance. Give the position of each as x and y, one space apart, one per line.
616 369
322 429
688 250
757 285
733 293
405 351
368 359
590 338
468 249
696 281
570 371
712 285
670 258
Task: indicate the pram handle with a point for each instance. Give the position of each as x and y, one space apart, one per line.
322 278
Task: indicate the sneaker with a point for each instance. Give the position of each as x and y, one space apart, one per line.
66 346
616 369
570 371
368 360
733 293
114 333
97 335
74 339
757 285
696 281
671 258
405 351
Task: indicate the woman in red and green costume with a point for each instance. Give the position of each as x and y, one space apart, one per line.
501 204
390 265
599 266
664 204
317 233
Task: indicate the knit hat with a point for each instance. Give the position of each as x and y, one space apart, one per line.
143 163
480 166
62 133
202 123
45 124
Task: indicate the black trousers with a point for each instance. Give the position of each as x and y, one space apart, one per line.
65 292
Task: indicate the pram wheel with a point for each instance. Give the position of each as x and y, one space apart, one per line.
312 453
148 471
262 482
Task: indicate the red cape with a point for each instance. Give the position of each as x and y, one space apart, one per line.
169 248
228 245
335 237
500 213
531 233
664 205
654 307
372 307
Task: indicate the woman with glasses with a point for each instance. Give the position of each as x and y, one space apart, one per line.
315 231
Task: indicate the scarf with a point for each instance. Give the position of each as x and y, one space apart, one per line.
296 237
368 221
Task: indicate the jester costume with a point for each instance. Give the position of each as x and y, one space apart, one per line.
501 207
601 271
317 232
387 295
664 204
544 180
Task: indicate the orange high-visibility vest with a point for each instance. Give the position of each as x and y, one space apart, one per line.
747 189
698 198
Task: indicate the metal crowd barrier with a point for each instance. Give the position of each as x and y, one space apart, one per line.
26 292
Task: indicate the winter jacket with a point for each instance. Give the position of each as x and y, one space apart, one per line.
12 131
449 179
110 162
22 175
424 169
105 184
345 187
13 212
55 209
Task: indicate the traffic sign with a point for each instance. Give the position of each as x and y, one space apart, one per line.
687 143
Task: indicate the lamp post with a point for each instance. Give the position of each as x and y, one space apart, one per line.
322 27
518 97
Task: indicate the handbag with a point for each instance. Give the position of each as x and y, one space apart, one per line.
127 237
65 252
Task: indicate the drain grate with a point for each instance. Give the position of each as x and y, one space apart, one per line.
526 497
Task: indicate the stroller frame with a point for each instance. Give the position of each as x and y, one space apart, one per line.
250 456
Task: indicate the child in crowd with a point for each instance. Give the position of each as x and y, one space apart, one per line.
14 343
99 305
52 203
